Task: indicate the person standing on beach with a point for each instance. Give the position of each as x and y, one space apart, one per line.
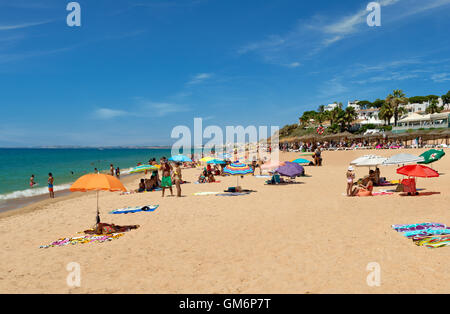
118 173
50 185
166 181
95 170
178 178
111 170
350 178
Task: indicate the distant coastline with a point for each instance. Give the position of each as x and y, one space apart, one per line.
87 147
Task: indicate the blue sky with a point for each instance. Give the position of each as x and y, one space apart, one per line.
135 69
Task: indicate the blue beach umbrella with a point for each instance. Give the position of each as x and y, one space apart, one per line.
217 162
301 161
180 158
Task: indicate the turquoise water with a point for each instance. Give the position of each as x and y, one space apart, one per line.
17 166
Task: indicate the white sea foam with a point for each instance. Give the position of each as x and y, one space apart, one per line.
32 192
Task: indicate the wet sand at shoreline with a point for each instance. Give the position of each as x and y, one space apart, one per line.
302 238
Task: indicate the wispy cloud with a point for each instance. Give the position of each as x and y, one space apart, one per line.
23 25
107 114
199 78
441 77
142 109
309 37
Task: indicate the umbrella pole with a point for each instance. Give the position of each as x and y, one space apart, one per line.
98 212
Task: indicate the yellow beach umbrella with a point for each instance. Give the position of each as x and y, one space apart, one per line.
206 159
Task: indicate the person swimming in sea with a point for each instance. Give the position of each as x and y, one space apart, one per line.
32 183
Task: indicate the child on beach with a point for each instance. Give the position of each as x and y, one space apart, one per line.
32 183
50 185
350 178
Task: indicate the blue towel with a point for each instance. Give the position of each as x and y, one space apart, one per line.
130 210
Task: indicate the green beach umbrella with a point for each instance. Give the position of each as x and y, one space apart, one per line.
431 156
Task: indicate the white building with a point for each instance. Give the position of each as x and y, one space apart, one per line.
354 105
422 107
330 107
418 121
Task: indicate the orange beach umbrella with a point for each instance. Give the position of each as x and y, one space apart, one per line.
97 182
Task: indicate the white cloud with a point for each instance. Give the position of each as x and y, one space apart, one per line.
199 78
143 109
22 25
294 65
440 77
106 113
309 37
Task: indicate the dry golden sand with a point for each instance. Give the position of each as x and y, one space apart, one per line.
304 238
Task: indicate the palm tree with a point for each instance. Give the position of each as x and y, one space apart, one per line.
386 113
350 115
433 107
334 115
396 100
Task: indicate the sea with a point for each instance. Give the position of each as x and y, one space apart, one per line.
67 165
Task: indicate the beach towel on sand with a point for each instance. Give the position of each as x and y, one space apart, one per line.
137 209
415 227
431 235
83 240
233 194
433 242
206 193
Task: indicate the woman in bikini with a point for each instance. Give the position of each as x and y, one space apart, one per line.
364 190
177 178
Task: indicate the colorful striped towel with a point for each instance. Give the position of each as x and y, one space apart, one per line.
431 235
414 227
83 240
433 242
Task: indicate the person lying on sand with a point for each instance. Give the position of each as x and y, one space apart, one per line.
103 228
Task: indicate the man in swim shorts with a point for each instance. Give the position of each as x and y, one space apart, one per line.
50 185
166 181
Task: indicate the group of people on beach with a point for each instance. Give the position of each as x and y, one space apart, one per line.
364 186
170 175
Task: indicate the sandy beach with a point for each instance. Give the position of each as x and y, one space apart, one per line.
301 238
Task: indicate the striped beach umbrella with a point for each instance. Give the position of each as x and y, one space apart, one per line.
144 168
238 169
